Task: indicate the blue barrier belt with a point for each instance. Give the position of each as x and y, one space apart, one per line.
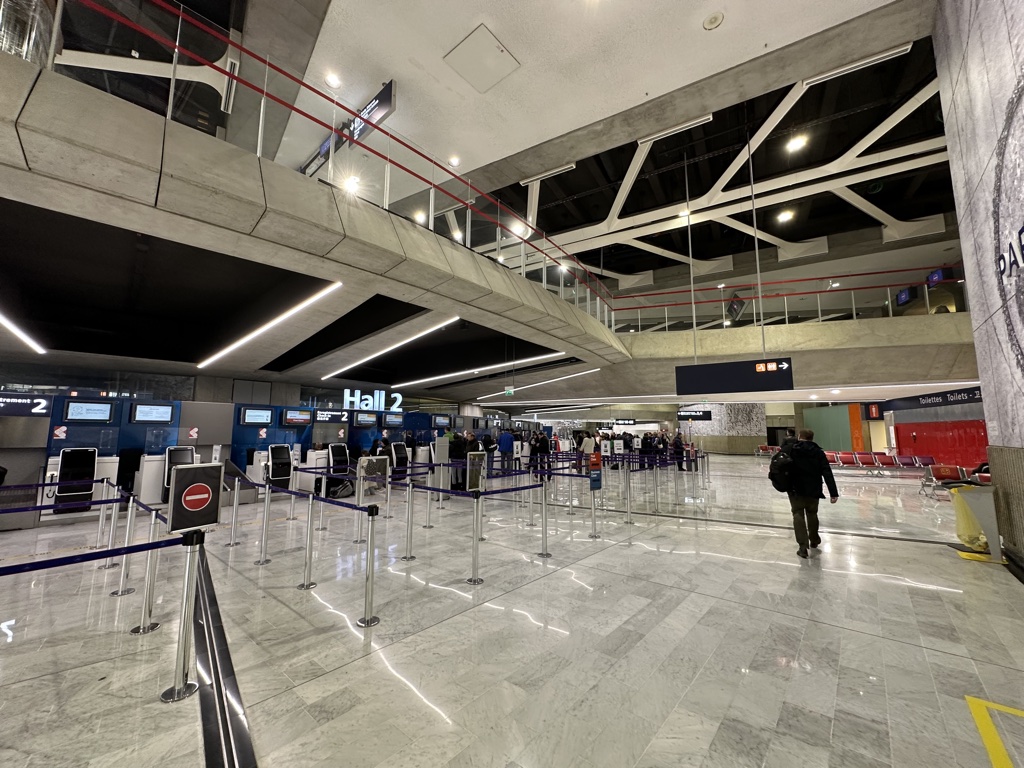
103 554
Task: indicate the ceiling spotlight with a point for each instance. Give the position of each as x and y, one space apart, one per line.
685 213
632 330
814 397
785 216
351 184
796 143
833 285
501 259
836 391
457 235
727 323
420 217
721 285
331 80
454 161
562 267
518 228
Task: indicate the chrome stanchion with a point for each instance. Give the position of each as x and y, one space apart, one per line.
103 517
109 562
266 526
429 496
478 525
321 527
568 485
368 619
234 515
629 499
307 573
387 496
531 502
593 519
147 625
291 507
482 516
409 501
543 526
359 518
657 500
129 534
183 687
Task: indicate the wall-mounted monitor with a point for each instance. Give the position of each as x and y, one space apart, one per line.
257 417
939 276
906 296
365 419
441 422
152 413
89 411
736 307
296 417
394 420
460 422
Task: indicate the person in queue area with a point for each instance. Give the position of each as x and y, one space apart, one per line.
506 447
586 448
543 454
679 450
457 455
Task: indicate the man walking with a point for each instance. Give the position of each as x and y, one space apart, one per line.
790 439
809 469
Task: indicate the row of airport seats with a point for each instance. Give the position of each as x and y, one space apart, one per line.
942 476
767 450
876 463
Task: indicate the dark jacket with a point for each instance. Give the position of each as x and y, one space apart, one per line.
789 442
810 467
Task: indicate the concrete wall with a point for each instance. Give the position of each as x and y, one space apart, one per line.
981 83
736 428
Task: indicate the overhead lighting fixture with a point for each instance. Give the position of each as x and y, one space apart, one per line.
632 330
501 259
727 323
796 143
420 217
677 129
721 285
562 267
473 371
836 391
685 213
276 321
565 410
27 340
332 81
351 184
518 228
814 397
454 161
457 235
785 216
833 285
541 383
878 58
548 174
392 348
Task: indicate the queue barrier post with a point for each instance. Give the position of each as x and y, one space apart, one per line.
629 499
183 687
430 495
368 619
147 625
129 534
109 562
307 573
266 526
234 515
359 518
387 494
593 518
103 516
531 501
543 525
657 478
409 502
291 507
321 526
477 538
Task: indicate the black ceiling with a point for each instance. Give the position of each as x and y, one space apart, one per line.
81 286
834 116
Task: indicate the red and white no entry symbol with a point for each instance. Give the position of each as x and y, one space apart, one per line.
196 497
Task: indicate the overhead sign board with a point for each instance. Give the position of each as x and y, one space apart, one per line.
194 497
772 375
625 422
378 109
934 400
685 414
25 405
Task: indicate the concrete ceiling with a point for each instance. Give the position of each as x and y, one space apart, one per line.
581 62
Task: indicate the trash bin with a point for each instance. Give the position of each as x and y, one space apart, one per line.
968 529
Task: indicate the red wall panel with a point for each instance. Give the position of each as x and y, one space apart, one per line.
963 443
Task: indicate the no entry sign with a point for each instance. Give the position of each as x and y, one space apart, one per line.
194 496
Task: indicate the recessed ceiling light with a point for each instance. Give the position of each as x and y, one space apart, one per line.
632 330
721 285
814 397
796 143
714 21
454 161
562 267
266 327
351 184
420 217
836 391
331 80
518 228
785 216
457 235
501 259
540 383
684 213
727 323
510 364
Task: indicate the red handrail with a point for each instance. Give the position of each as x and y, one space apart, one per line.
113 15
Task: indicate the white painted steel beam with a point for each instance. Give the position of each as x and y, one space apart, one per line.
893 228
787 250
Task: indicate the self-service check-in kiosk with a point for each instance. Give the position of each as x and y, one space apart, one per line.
399 459
338 461
175 456
279 466
77 465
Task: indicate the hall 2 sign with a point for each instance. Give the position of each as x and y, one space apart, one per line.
355 400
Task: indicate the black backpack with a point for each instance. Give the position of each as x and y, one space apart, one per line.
780 472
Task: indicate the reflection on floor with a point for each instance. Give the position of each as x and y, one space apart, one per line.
667 643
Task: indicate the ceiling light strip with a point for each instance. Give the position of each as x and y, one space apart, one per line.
27 340
541 383
392 348
878 58
564 410
677 129
548 174
276 321
481 369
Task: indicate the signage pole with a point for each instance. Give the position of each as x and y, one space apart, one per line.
689 252
757 249
368 619
266 526
543 526
477 535
409 502
593 519
147 625
234 516
129 534
183 687
307 573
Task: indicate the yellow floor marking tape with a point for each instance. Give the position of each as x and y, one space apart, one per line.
990 737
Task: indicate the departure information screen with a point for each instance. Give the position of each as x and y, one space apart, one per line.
152 414
81 410
257 416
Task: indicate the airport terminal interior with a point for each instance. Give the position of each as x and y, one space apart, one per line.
415 385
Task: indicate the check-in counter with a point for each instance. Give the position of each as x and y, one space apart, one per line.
304 481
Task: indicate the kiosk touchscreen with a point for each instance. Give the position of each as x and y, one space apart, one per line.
399 458
279 466
338 464
78 466
175 456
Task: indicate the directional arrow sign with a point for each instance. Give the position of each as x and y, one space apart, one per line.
772 375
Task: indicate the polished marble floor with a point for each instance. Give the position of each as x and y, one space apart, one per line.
671 642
